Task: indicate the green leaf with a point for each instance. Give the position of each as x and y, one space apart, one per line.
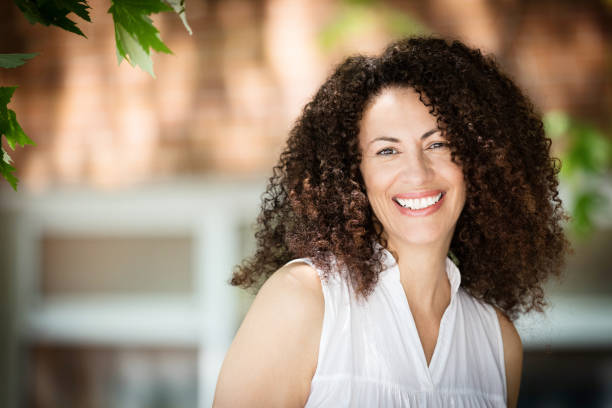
6 93
130 49
54 12
179 7
6 169
142 6
14 60
15 134
135 34
12 131
78 7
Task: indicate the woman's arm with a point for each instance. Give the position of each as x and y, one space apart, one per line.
273 357
513 357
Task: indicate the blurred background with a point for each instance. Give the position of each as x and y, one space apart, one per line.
140 194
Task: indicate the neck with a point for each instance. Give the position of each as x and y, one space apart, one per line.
423 275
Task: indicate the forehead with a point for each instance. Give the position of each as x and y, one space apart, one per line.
397 110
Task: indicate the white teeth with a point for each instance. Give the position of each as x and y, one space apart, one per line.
418 203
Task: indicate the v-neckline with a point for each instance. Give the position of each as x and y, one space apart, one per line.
410 327
414 333
416 330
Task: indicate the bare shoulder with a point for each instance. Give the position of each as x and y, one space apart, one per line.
301 274
274 353
513 356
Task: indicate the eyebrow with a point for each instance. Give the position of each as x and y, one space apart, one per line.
395 140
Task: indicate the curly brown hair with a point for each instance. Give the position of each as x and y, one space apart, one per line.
509 237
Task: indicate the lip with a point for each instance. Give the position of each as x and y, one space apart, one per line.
419 194
423 212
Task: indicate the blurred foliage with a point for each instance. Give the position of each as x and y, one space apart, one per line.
586 156
14 60
9 127
179 8
135 36
54 12
135 33
358 17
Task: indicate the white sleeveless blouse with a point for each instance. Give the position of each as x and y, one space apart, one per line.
370 354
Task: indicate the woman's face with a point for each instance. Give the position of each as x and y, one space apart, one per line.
415 190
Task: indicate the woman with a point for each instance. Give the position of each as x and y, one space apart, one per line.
398 164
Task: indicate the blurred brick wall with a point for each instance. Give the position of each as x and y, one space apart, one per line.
224 102
221 104
559 51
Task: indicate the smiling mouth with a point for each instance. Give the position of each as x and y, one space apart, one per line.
418 203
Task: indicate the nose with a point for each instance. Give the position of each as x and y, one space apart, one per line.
416 168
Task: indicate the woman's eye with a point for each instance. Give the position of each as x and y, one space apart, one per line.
386 151
438 145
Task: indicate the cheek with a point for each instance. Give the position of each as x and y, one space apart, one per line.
375 180
456 174
374 185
